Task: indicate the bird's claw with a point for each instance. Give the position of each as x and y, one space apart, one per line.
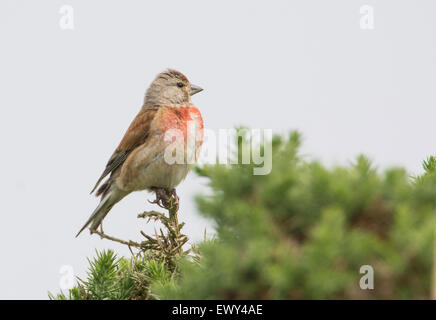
163 197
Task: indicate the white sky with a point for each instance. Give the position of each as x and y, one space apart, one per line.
67 96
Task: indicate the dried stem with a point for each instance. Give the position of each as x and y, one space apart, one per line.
166 246
129 243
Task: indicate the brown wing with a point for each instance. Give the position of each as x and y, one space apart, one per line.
135 135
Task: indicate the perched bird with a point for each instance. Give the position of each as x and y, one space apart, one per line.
140 162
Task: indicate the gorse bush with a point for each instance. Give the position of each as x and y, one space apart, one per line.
110 277
301 232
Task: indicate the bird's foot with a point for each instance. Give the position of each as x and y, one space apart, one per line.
165 199
161 197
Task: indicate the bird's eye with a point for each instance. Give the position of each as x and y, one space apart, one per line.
180 85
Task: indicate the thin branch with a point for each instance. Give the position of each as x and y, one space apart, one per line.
129 243
165 246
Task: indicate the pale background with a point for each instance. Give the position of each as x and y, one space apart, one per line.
67 96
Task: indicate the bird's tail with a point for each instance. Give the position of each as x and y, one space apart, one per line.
105 205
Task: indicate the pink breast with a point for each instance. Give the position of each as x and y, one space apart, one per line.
179 118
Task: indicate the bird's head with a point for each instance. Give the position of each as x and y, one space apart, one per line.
170 87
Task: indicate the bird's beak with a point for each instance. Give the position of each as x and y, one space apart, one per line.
195 89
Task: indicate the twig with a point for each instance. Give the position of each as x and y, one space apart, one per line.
129 243
164 245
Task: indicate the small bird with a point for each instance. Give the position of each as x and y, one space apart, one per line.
139 162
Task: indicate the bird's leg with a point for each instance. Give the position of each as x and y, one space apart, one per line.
173 207
161 197
175 196
169 200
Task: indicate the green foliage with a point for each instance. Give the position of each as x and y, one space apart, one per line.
304 231
301 232
118 279
429 165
